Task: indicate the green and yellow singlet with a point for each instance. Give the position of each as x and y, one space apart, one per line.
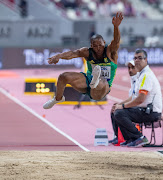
108 68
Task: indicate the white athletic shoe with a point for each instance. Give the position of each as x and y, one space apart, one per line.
49 104
96 75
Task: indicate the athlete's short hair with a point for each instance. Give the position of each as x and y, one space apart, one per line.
141 51
95 37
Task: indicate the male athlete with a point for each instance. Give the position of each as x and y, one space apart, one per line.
102 64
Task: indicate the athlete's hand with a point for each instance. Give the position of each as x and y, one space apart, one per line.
53 59
116 21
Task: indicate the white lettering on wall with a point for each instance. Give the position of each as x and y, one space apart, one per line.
40 58
29 56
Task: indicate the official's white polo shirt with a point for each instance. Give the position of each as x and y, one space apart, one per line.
147 81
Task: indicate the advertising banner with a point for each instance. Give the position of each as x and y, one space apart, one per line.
36 58
15 58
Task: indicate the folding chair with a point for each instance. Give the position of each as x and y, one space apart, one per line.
152 125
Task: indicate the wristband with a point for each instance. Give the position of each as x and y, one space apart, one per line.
123 106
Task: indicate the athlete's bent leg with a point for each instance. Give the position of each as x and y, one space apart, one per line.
76 80
101 90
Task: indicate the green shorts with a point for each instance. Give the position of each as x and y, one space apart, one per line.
88 81
88 78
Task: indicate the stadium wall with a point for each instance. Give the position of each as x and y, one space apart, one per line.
54 33
33 33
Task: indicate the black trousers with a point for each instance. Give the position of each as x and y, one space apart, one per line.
124 118
114 124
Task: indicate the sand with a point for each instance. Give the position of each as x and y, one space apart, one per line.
52 165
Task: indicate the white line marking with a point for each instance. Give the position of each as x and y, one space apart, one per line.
121 87
41 118
114 98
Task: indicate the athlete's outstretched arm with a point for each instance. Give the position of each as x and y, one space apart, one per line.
82 52
116 21
114 46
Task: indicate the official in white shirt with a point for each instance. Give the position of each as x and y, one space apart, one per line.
145 106
133 76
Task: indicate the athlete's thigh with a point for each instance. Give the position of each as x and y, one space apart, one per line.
101 91
77 81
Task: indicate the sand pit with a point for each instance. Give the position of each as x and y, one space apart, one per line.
48 165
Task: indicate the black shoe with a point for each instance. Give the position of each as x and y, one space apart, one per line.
123 144
138 142
113 141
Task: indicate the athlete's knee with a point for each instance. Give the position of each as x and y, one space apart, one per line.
96 96
64 77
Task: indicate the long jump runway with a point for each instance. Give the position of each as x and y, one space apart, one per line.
22 126
22 129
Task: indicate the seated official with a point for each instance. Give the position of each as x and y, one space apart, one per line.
133 76
145 106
